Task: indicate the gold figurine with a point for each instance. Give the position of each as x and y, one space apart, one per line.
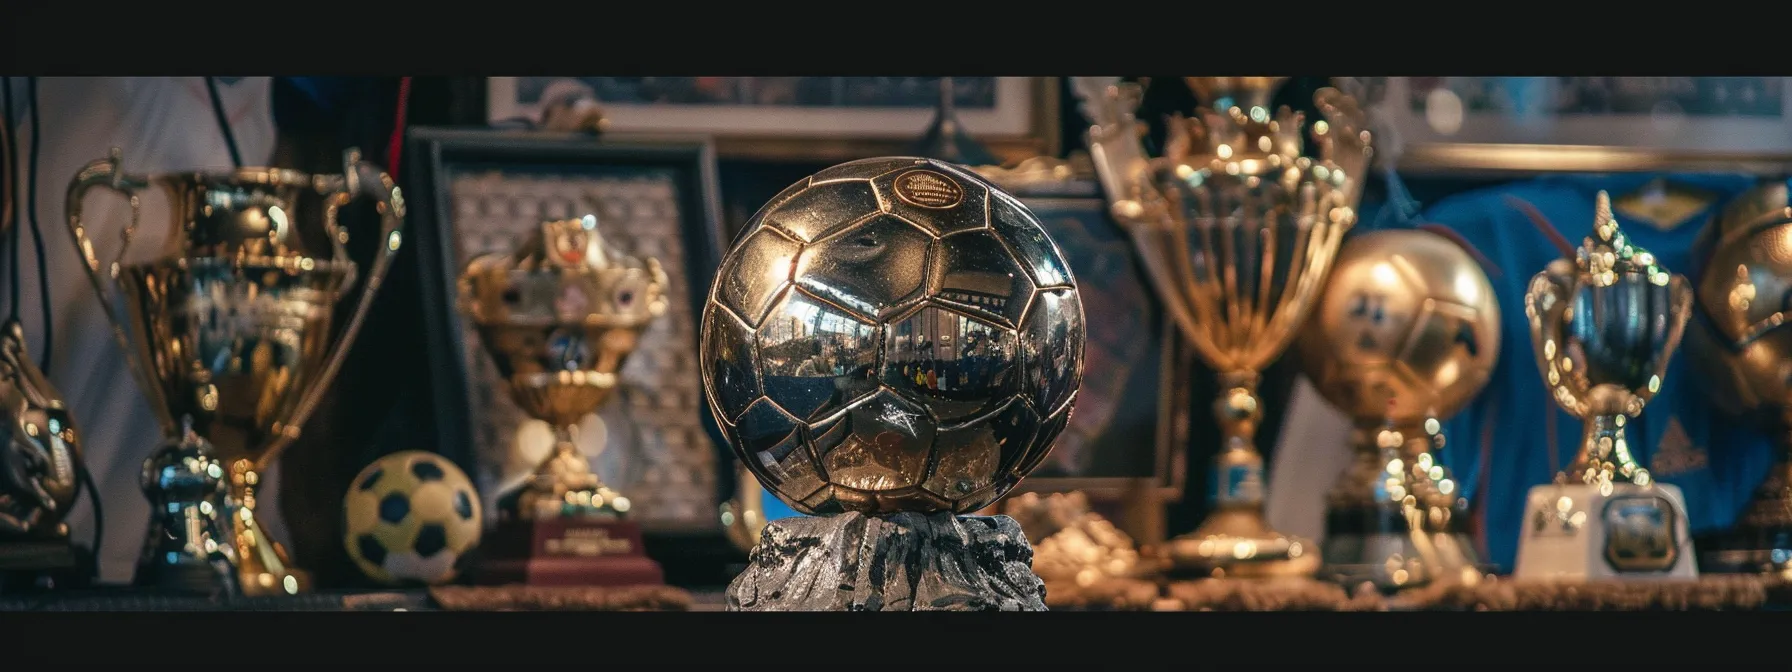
1604 327
230 331
1407 332
1237 229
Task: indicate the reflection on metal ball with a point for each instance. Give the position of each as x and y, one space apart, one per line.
892 334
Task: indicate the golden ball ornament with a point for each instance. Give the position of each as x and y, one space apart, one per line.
1407 328
410 517
892 334
1742 341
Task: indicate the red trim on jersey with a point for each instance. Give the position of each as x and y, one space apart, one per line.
395 147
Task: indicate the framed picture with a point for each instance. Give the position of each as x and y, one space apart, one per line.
805 118
1121 438
477 191
1586 124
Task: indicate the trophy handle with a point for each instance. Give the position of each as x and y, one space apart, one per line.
358 178
105 173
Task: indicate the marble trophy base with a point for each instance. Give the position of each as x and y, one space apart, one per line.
895 562
566 551
29 566
1573 532
1378 546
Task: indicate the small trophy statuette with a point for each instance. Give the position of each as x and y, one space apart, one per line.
40 467
559 316
231 331
1237 227
1406 333
890 344
1604 328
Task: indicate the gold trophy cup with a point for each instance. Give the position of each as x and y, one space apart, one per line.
1604 327
559 316
228 330
1407 332
1745 347
1237 230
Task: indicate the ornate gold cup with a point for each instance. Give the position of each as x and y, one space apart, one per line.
1237 230
559 316
1745 347
1407 332
1604 328
228 330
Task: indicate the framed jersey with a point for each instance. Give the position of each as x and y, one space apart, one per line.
1585 124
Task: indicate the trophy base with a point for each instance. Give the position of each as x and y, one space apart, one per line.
1747 551
1376 545
567 551
894 562
1237 544
1573 532
31 566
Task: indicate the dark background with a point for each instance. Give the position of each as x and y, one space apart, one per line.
381 403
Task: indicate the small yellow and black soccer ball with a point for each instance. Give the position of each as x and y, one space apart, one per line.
410 517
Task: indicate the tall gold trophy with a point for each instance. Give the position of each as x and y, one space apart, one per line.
1745 345
1237 230
228 329
1407 332
1604 327
559 315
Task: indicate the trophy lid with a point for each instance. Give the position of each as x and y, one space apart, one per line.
564 272
1236 133
1608 252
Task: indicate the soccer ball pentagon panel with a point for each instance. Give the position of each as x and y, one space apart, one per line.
410 517
892 334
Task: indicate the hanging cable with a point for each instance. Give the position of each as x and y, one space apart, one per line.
12 205
37 233
395 146
211 89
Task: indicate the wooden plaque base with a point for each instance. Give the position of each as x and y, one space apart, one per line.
567 551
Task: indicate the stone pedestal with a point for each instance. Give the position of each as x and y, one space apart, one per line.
895 562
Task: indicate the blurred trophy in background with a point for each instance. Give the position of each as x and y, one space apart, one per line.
1237 229
40 475
230 336
1604 327
1407 332
559 317
1744 347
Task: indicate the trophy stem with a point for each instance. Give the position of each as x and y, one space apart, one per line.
565 485
1236 540
263 567
186 549
1604 455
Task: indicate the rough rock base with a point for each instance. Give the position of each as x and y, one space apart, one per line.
895 562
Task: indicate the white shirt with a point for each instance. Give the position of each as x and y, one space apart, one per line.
1311 452
161 124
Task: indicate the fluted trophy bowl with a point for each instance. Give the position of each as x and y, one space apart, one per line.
1603 329
230 330
559 316
1742 343
1237 227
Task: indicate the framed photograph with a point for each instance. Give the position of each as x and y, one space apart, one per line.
805 118
1586 124
477 191
1121 438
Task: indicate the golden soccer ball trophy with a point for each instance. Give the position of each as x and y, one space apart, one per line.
1406 333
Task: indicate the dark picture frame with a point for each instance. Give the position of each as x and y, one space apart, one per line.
688 162
1124 444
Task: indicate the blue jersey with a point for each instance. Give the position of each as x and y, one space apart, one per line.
1680 437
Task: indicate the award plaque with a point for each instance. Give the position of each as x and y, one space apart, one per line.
1604 326
559 316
